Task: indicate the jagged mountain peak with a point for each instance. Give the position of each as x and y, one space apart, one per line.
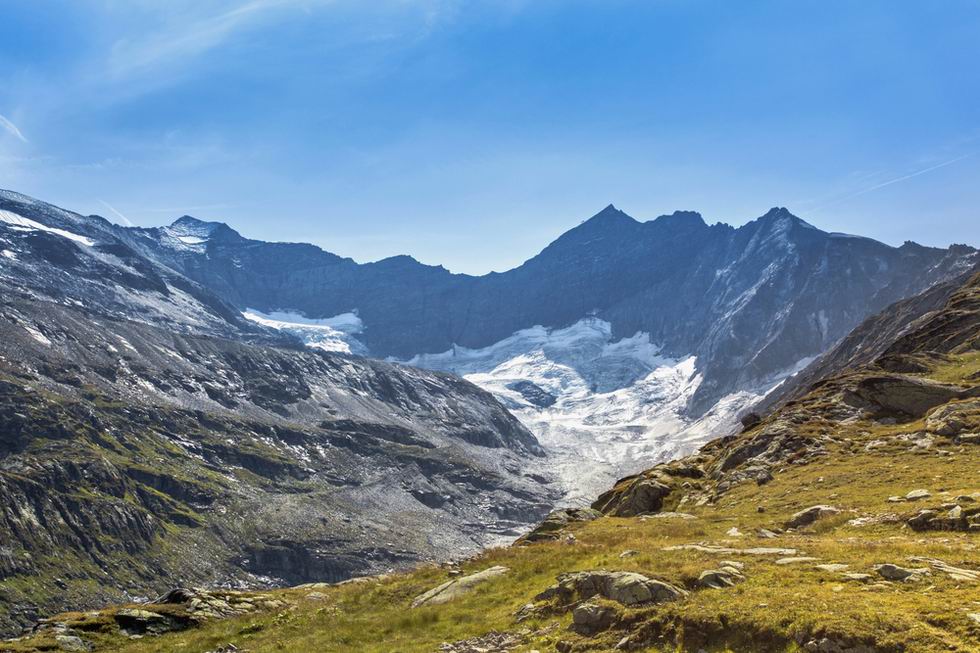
681 219
610 215
188 227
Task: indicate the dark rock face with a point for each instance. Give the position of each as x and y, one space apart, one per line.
879 339
795 432
150 436
750 302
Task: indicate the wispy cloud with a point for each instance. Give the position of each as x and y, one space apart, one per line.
126 221
11 128
186 40
894 180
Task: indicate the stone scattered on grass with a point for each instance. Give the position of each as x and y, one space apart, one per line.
956 573
809 515
625 587
726 575
795 560
832 568
893 572
917 495
457 587
726 550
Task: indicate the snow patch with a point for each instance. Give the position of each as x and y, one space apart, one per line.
37 335
192 240
21 223
8 254
330 334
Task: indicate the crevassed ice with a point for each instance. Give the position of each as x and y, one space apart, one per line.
603 408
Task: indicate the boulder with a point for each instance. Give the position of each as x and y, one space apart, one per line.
590 617
642 495
135 621
457 587
725 576
889 571
956 518
556 521
954 418
625 587
916 495
809 515
906 395
71 643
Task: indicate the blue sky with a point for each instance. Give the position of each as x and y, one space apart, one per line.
471 134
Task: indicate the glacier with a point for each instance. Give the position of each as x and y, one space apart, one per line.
602 408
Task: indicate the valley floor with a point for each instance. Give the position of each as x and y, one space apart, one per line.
785 602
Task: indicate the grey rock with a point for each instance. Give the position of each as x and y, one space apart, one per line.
627 588
457 587
809 515
590 617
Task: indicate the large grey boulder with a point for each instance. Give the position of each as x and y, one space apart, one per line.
556 521
809 515
457 587
626 587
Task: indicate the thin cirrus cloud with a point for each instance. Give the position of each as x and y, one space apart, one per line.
894 180
186 40
12 129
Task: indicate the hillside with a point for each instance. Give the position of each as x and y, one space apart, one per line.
846 521
149 435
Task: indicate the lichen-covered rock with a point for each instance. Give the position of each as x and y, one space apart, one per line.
591 617
954 418
809 515
624 587
457 587
556 521
956 518
639 496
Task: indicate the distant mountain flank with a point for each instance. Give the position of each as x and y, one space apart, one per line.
748 302
151 435
621 343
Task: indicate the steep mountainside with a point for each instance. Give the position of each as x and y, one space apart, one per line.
773 291
642 339
869 340
149 435
846 521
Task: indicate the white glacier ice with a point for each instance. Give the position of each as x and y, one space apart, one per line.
603 408
335 334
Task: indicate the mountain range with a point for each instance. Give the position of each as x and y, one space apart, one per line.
185 389
842 518
622 342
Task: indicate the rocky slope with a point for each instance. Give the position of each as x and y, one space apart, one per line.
598 344
151 436
774 291
846 521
